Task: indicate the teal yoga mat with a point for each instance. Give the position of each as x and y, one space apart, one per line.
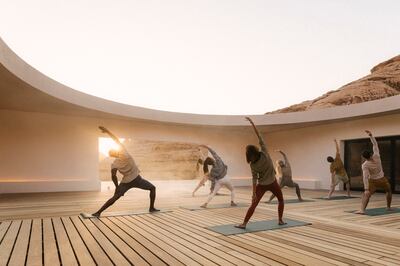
289 201
337 198
379 211
230 229
85 215
214 206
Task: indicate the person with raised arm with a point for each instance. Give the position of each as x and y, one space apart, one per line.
203 180
218 174
125 164
264 179
338 173
373 176
285 172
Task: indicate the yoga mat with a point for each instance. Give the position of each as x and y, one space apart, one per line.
204 195
289 201
378 211
214 206
230 229
337 198
85 215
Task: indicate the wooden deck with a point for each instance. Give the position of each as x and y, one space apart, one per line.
45 229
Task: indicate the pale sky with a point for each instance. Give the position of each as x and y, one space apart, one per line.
203 56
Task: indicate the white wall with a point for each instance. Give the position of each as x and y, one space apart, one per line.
46 152
307 148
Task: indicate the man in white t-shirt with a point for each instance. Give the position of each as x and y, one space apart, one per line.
373 176
125 164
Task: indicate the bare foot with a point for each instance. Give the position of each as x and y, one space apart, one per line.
203 206
233 204
281 222
153 210
390 209
241 226
268 201
300 199
360 212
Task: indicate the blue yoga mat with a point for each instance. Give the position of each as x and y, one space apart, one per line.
289 201
230 229
337 198
214 206
379 211
85 215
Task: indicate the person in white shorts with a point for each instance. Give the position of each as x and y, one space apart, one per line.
218 173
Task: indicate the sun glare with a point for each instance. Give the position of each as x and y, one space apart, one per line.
107 144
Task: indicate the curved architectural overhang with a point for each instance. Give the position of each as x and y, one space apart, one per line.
25 88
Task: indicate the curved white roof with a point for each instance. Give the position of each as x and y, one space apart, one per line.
25 88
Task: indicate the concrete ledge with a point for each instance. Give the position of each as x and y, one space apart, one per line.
32 186
308 183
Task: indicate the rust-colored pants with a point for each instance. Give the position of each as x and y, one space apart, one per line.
260 191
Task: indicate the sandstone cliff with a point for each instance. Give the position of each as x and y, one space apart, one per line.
160 160
384 81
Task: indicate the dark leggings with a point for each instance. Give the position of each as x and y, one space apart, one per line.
138 182
288 183
260 191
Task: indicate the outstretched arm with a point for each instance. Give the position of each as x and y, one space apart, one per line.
284 158
108 132
260 139
375 147
213 153
201 183
337 149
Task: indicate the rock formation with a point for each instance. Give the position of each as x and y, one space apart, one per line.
384 81
160 160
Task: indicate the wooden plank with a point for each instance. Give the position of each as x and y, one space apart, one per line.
50 250
298 255
96 251
64 246
142 239
211 248
315 251
35 244
160 241
81 251
3 229
19 253
108 247
122 247
9 239
134 244
182 245
190 222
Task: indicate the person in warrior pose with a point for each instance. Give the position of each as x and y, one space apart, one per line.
373 176
285 171
218 174
338 173
125 164
264 179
